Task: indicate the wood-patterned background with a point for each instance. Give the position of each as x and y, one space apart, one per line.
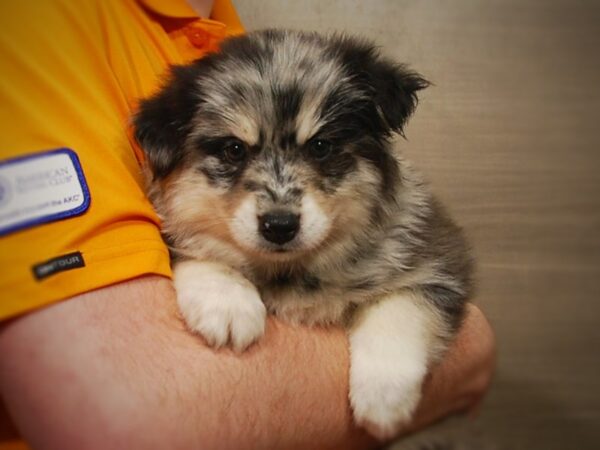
509 137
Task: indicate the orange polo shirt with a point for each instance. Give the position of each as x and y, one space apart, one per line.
73 214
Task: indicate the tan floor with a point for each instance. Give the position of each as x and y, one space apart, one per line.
509 137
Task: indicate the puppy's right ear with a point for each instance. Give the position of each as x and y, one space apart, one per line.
163 121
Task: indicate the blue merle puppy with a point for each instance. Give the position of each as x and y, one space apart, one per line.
271 166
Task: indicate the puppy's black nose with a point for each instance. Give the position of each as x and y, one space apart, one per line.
279 227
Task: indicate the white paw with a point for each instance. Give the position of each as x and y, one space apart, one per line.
390 347
384 395
220 304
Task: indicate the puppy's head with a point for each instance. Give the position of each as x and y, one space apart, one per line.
278 143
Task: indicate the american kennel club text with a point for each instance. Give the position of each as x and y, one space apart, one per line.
271 166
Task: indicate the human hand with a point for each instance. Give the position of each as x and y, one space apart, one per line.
460 381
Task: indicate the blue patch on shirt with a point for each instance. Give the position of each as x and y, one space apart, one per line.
40 188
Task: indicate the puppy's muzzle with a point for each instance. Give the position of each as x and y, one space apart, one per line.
279 227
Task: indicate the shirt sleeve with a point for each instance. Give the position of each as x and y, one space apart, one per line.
59 98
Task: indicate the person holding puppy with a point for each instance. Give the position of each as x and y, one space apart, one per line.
112 365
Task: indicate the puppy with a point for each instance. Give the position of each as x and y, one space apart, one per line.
271 166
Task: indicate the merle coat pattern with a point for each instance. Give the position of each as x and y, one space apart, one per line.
271 166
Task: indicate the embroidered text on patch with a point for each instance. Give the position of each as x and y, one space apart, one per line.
41 188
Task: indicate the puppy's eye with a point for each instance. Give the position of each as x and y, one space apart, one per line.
319 148
235 151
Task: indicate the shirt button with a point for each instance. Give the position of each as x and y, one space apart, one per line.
198 38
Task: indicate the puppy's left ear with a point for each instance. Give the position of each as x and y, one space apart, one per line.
395 89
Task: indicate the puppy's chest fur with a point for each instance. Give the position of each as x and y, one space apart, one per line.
302 297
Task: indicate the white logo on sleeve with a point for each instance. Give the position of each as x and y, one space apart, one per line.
40 188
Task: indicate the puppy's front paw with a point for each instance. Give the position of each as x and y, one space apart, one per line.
384 395
219 303
391 343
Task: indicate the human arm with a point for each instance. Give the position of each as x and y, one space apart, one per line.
116 368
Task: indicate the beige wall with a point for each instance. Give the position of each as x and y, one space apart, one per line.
509 137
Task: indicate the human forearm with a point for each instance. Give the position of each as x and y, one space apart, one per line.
115 368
